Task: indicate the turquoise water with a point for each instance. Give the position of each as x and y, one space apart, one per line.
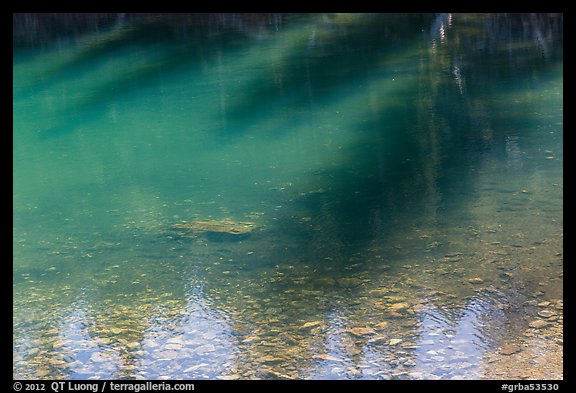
402 173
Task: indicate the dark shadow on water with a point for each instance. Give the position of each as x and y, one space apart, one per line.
422 155
331 57
159 51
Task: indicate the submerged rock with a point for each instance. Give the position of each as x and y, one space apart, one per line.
349 282
213 229
310 324
380 339
399 307
323 356
546 313
510 349
539 324
382 325
361 331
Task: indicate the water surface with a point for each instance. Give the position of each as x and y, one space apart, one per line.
403 174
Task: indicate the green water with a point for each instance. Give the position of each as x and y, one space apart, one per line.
403 174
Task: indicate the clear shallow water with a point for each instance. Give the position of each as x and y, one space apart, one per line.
404 175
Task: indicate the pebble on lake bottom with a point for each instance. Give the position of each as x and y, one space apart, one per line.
539 324
510 349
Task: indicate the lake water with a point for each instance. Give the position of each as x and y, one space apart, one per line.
402 177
